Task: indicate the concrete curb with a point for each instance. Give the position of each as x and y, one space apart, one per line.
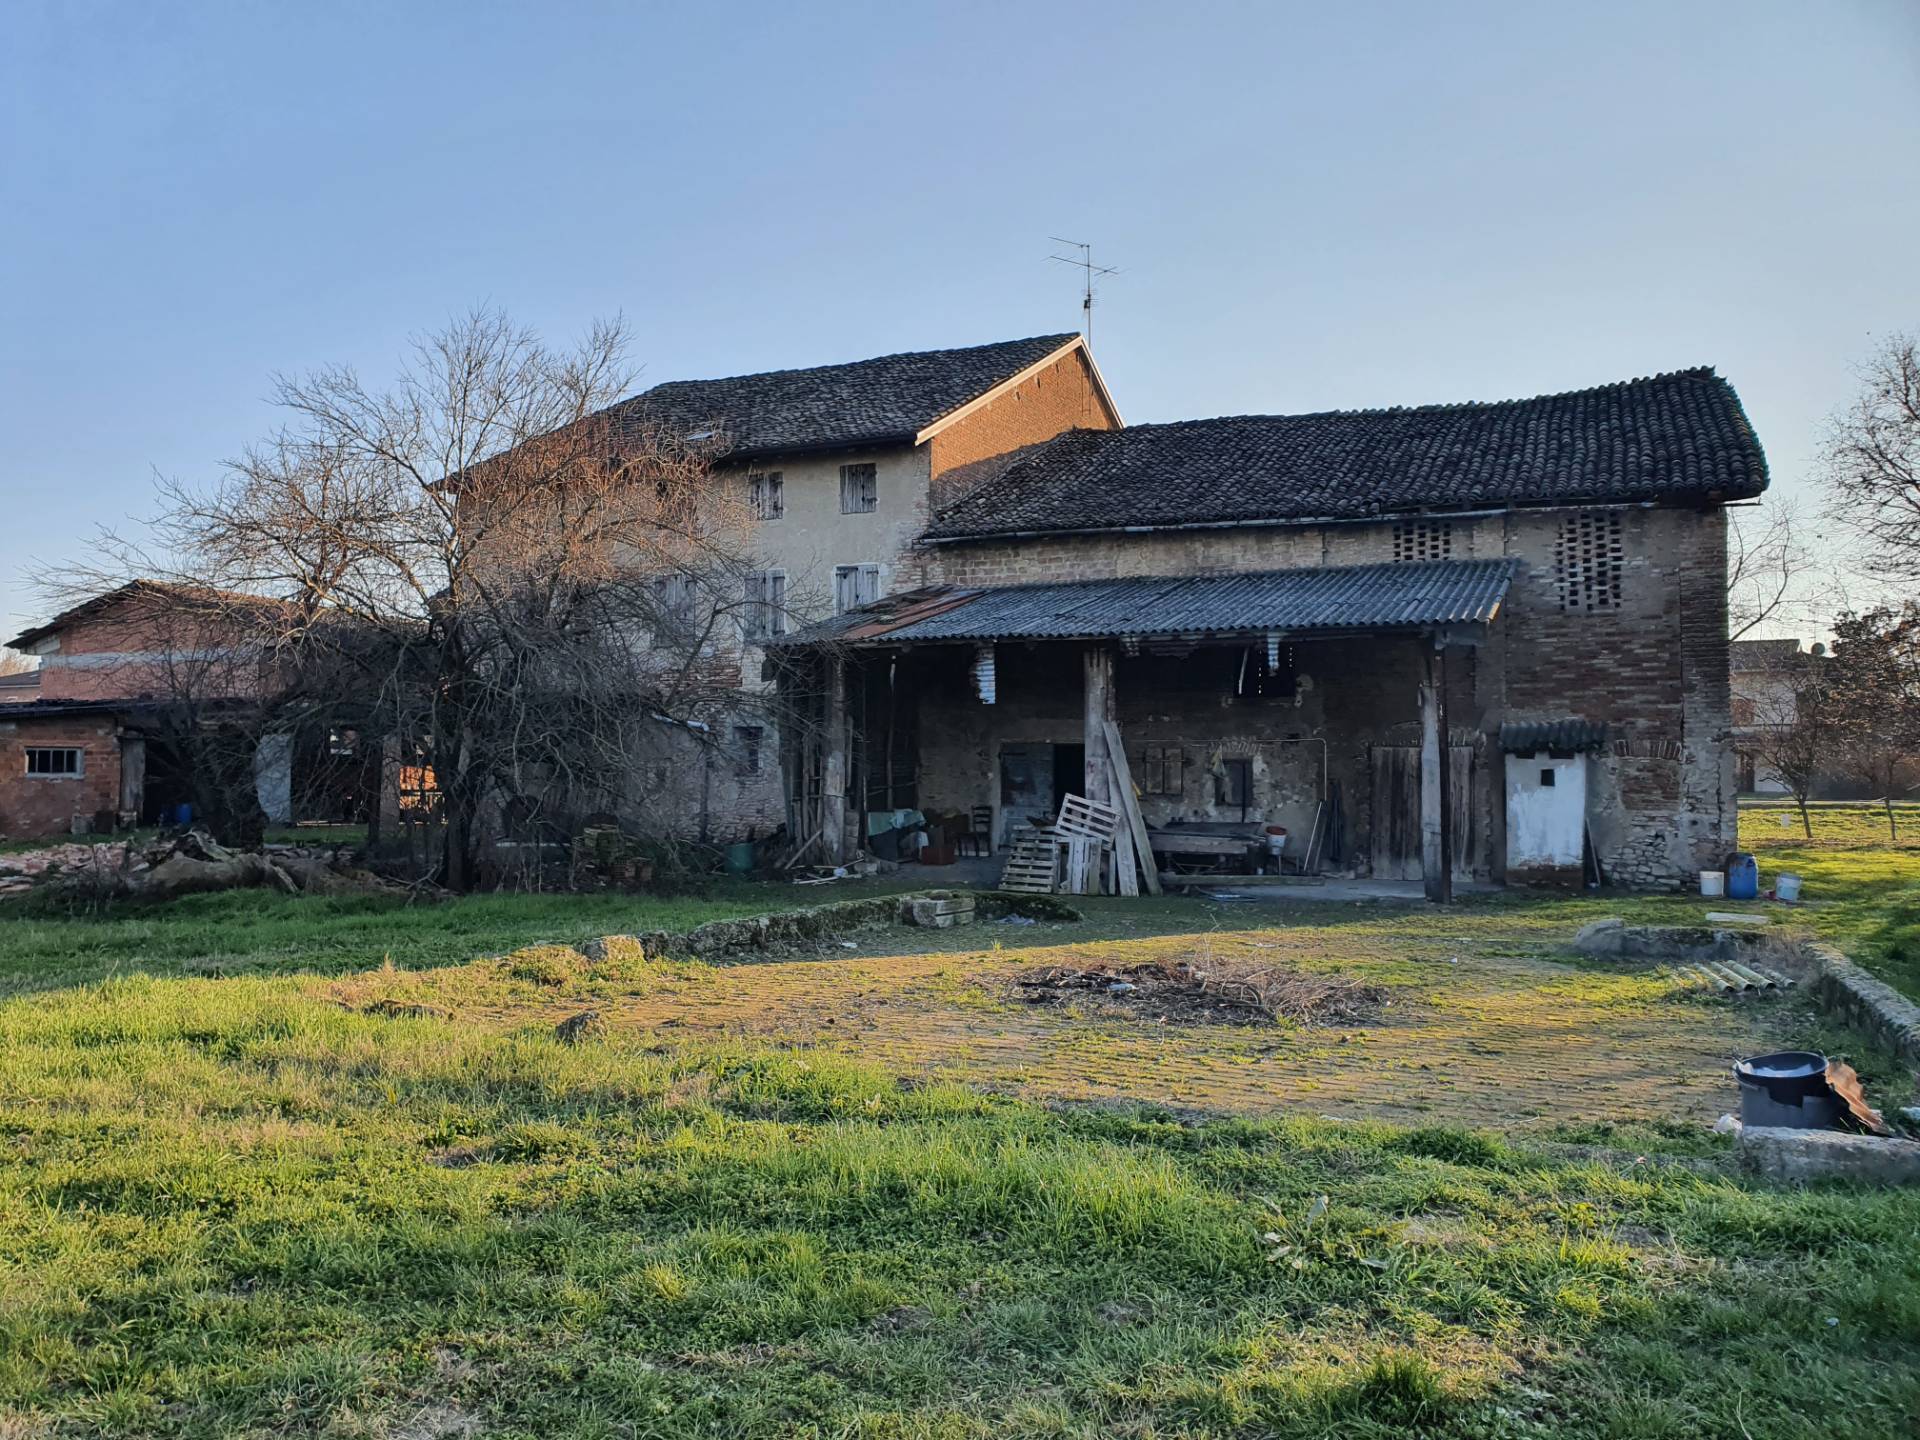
1801 1155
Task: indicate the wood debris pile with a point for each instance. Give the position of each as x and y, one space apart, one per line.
1216 992
183 865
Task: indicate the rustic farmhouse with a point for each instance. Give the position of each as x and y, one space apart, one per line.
1473 642
1484 641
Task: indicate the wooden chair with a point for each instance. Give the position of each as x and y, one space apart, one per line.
977 838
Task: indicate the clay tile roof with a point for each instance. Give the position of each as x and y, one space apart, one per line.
1676 437
883 401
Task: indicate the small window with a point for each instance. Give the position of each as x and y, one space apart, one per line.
1233 786
859 489
767 496
854 586
1546 777
1588 558
55 763
766 609
1162 770
746 749
1415 540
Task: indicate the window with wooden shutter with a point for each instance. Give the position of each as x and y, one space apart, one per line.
767 495
765 614
859 489
1163 770
855 585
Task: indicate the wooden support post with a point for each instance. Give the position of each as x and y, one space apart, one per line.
1436 790
833 765
1099 714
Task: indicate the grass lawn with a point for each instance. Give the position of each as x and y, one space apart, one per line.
274 1188
1863 888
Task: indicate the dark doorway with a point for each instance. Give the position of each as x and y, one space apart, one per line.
1069 772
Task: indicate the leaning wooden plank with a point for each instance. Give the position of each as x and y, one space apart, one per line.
1130 806
1126 875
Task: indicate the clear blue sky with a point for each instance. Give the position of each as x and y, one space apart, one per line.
1314 205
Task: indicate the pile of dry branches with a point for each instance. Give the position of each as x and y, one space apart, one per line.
1218 991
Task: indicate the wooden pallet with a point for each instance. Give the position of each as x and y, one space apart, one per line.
1033 860
1087 819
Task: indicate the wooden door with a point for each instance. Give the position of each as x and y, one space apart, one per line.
1396 812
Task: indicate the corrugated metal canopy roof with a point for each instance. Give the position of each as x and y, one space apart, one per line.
1527 737
1328 598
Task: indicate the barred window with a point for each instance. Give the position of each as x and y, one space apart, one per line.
746 749
859 489
1423 540
1588 558
767 495
55 761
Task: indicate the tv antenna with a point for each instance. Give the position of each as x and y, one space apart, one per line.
1084 264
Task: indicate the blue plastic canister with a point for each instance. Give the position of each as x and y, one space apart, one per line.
1743 877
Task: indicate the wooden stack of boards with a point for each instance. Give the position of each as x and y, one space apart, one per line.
1074 854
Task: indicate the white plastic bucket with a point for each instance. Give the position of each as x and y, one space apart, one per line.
1713 882
1787 887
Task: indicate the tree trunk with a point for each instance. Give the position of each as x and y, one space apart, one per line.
1893 823
1806 821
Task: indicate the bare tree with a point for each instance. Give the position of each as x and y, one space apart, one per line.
1873 462
12 662
1774 576
524 590
1875 687
1793 726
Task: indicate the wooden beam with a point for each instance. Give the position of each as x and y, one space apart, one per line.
1099 714
1436 830
833 765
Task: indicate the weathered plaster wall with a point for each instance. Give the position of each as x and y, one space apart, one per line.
813 536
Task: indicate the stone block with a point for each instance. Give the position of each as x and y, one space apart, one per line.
1803 1155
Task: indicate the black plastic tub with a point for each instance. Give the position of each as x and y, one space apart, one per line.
1787 1090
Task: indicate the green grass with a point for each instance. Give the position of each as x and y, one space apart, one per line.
232 1206
256 931
233 1210
1863 891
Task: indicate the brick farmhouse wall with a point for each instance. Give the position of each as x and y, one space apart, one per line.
35 805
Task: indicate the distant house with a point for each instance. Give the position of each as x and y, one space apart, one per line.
97 742
1766 678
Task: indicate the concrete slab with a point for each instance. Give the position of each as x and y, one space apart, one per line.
1802 1155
